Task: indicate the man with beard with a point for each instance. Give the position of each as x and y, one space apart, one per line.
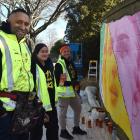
67 88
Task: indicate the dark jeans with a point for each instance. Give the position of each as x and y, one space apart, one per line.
52 128
5 123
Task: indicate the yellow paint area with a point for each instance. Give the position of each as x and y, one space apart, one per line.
112 91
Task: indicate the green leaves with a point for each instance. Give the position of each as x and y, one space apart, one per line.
84 20
55 49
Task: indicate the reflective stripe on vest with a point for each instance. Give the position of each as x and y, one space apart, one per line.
47 107
28 49
63 91
21 64
38 83
8 64
56 102
8 104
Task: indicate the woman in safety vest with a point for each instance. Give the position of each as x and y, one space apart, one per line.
41 57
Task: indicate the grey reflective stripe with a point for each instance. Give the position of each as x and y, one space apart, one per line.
9 65
63 95
56 102
66 94
11 104
38 83
47 107
28 49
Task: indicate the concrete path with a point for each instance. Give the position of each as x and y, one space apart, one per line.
94 133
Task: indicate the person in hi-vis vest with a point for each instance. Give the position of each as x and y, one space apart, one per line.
41 57
67 87
16 78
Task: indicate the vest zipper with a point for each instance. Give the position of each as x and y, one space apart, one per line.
25 69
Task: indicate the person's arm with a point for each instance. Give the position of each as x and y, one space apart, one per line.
74 79
57 72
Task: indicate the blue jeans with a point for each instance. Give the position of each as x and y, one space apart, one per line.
5 123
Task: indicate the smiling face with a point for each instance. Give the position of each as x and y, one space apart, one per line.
66 53
43 54
20 24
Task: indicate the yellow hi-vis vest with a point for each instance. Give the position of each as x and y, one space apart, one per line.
16 65
41 88
16 74
64 91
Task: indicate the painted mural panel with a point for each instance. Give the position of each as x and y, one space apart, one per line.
120 72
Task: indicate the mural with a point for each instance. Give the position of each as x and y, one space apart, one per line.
120 72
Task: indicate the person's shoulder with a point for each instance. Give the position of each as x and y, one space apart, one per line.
5 27
58 66
49 62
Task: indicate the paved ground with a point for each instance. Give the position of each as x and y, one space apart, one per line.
94 133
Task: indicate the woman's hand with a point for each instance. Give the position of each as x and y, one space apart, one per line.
46 118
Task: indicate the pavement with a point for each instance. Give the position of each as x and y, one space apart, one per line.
94 132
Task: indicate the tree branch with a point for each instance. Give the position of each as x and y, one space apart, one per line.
53 18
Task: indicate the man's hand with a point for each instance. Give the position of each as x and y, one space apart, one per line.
76 86
62 79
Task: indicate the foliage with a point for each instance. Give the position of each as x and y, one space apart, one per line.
54 53
85 19
84 22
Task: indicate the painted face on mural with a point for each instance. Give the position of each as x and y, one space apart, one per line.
126 47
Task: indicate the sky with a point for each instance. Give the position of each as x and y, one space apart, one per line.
60 26
57 29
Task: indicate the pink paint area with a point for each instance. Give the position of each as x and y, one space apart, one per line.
125 35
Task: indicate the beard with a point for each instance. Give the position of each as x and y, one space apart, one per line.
20 34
